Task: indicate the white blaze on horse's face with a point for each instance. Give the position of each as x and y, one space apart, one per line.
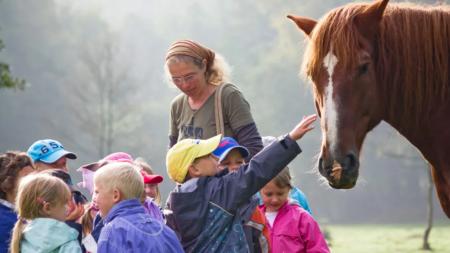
331 116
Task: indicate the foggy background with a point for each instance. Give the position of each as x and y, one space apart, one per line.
94 72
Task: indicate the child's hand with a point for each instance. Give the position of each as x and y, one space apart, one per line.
76 211
303 127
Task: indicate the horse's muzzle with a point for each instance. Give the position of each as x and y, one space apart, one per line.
341 173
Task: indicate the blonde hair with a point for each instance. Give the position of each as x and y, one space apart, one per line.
34 191
147 168
122 176
218 73
87 220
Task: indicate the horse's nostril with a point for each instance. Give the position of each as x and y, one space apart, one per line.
350 162
322 167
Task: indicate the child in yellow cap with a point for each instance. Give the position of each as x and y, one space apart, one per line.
208 208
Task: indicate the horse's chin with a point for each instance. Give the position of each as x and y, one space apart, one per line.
341 177
342 184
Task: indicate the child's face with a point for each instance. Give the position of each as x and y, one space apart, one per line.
233 161
104 199
151 190
273 196
204 166
56 211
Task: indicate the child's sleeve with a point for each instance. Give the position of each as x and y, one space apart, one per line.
238 187
312 236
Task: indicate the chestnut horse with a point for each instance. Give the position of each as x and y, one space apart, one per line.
373 61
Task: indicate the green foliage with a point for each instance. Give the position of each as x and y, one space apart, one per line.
6 80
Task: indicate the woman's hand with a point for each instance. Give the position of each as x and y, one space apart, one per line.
303 127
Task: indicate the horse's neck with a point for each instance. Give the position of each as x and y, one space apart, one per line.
431 134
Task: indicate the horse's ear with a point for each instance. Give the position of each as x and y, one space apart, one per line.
368 21
305 24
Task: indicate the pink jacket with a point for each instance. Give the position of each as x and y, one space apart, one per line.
295 230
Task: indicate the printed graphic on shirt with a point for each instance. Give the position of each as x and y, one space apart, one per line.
190 131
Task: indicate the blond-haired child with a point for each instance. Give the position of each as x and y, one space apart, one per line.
118 188
41 207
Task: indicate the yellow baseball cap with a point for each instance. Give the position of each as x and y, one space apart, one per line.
183 154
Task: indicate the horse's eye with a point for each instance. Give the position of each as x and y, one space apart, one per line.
363 69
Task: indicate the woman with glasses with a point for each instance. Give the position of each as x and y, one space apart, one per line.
197 72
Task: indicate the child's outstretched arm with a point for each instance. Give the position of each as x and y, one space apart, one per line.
303 127
264 166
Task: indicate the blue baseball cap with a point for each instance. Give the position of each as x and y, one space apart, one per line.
48 151
226 145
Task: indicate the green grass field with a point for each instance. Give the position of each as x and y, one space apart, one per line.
386 238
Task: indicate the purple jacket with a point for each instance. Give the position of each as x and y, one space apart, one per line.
153 209
295 230
128 228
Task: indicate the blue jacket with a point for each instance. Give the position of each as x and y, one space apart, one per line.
128 228
46 235
208 213
7 220
298 196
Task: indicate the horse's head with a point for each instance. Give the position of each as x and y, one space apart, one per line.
340 62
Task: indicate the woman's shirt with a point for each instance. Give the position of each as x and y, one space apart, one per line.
201 124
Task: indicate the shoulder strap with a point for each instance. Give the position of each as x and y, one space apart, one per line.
220 128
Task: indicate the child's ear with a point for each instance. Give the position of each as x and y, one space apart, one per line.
117 196
193 171
205 63
46 209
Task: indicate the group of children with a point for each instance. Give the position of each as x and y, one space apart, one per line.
215 206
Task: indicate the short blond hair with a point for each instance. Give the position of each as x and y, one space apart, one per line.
123 177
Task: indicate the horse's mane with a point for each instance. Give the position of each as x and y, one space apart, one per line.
411 54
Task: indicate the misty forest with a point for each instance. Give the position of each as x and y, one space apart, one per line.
91 74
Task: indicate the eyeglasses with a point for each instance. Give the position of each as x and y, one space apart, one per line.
187 78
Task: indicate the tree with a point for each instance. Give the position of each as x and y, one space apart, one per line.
402 153
104 100
6 79
426 244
